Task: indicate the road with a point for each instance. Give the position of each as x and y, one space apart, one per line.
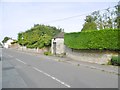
23 70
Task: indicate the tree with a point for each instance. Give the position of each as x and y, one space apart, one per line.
5 39
38 36
98 19
117 20
119 14
105 19
89 23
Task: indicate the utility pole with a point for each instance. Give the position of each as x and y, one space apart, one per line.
22 41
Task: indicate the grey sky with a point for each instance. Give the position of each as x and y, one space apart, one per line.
21 16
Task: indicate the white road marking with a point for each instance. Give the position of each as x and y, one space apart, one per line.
20 61
10 56
51 77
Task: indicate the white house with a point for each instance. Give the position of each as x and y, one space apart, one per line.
57 44
8 43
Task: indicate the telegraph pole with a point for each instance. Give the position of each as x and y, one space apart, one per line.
22 41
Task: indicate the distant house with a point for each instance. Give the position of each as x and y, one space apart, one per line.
57 44
8 43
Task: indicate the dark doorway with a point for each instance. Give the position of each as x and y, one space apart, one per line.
54 48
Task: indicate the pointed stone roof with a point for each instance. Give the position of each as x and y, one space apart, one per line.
60 35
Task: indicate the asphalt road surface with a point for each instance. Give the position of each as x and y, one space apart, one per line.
23 70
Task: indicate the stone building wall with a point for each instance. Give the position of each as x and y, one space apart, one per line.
59 47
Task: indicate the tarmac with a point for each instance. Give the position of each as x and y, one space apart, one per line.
105 68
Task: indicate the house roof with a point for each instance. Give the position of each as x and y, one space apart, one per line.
60 35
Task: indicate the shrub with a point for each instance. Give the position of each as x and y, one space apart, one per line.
47 53
100 39
109 62
115 60
38 36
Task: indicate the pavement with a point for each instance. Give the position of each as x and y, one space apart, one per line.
106 68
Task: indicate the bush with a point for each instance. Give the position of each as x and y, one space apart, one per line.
99 40
47 53
38 36
115 60
30 46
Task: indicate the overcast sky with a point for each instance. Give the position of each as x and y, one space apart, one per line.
21 15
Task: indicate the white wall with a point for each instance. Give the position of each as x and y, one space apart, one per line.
60 48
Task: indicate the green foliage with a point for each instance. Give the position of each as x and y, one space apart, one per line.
98 20
38 36
47 53
5 39
90 23
100 39
109 63
89 26
115 60
117 20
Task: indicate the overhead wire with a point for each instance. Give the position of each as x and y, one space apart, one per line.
66 18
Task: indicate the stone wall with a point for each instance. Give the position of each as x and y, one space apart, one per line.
33 50
93 56
15 46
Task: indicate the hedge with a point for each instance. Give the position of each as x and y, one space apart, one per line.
98 39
